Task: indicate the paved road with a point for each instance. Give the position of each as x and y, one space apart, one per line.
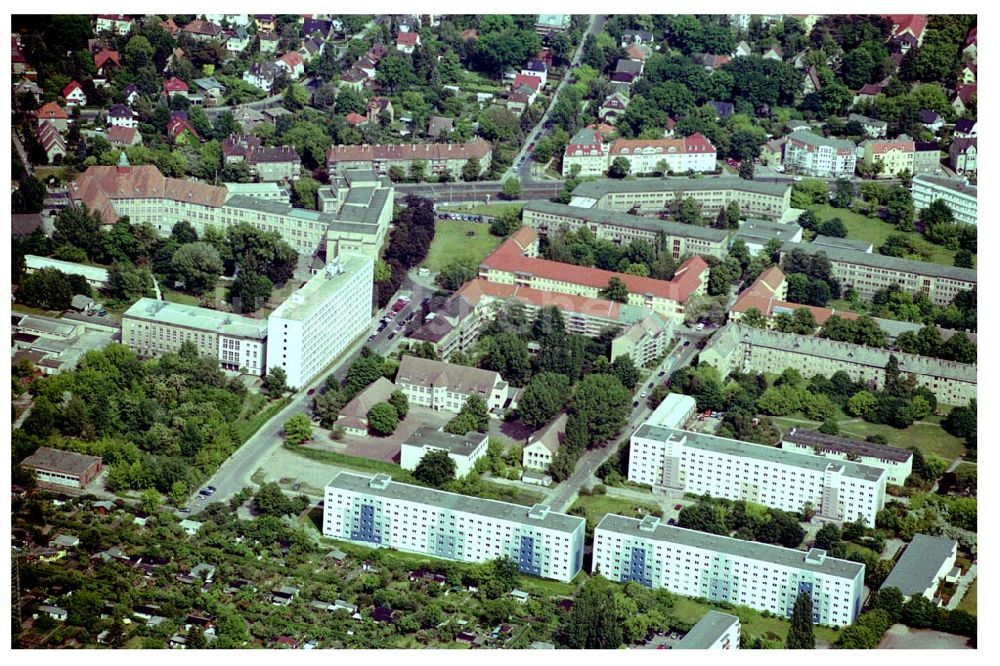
485 191
28 166
568 490
521 166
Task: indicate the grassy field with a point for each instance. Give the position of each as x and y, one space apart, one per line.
875 231
459 241
968 602
597 506
494 209
689 611
172 296
247 425
926 435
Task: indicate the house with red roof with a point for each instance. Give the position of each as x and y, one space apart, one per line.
106 62
588 151
74 95
407 42
53 114
51 141
970 52
174 86
693 153
767 295
171 27
292 63
355 119
19 65
907 30
124 137
516 262
964 96
181 132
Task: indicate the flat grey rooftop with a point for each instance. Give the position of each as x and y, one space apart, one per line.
764 230
915 570
461 445
453 502
597 189
842 243
708 630
751 550
767 454
196 318
613 218
885 262
825 442
954 184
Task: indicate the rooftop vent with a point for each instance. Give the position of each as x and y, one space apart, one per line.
538 511
380 481
649 523
815 556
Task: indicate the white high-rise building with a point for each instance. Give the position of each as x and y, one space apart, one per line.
317 322
378 512
957 194
815 155
719 568
677 462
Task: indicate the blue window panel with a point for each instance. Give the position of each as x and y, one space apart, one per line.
526 557
636 569
364 528
719 589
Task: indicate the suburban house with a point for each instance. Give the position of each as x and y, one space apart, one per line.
174 86
923 566
268 42
262 75
180 131
237 39
439 127
124 137
890 158
537 68
105 62
203 31
966 129
962 155
117 23
74 95
635 37
612 107
210 90
379 106
544 443
874 128
292 63
407 42
964 96
53 114
444 386
120 115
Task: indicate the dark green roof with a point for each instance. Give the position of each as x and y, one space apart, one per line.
613 218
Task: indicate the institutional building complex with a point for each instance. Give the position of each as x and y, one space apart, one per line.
748 349
464 450
516 262
657 195
147 197
436 157
151 328
868 273
678 462
445 386
898 463
746 573
318 322
620 228
376 511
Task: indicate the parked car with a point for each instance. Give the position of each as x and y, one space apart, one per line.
687 343
212 488
186 509
643 394
678 507
700 327
635 404
672 521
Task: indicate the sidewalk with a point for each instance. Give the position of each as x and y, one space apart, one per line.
963 586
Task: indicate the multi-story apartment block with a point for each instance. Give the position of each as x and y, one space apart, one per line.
868 273
146 196
587 150
514 263
719 568
650 196
378 512
889 157
898 463
437 157
926 158
676 462
748 349
958 195
444 386
318 322
151 328
714 631
268 164
455 327
464 450
820 156
622 228
693 153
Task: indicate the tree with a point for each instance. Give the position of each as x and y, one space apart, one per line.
84 608
435 469
298 429
401 403
456 273
274 381
862 403
249 291
183 233
542 398
474 415
615 291
127 283
597 618
507 354
959 348
511 188
364 371
619 168
623 367
747 168
327 406
834 227
964 259
79 227
305 190
800 634
270 501
198 265
844 194
471 169
383 419
598 411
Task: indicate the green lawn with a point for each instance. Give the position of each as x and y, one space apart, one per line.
968 602
876 231
172 296
459 241
494 209
689 611
597 506
926 435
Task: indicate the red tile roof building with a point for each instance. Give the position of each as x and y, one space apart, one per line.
437 156
691 153
53 113
767 294
174 86
515 262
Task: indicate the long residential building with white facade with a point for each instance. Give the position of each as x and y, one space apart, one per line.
648 196
318 322
718 568
898 463
958 195
679 462
379 512
151 328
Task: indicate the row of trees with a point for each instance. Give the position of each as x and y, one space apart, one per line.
744 520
